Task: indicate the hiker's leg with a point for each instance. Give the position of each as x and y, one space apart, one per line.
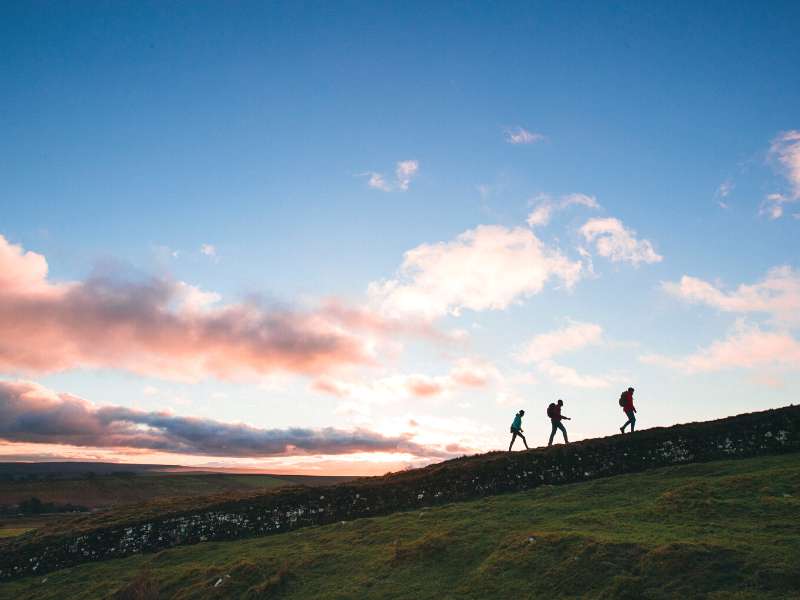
632 421
622 429
513 437
552 433
524 441
564 431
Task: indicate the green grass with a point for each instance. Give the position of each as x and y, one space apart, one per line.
717 530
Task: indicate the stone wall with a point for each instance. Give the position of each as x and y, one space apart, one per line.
768 432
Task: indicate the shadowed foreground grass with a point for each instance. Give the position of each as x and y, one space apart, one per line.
718 530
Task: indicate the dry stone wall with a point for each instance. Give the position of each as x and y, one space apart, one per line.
754 434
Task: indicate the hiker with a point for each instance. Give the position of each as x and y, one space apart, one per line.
516 430
626 402
554 412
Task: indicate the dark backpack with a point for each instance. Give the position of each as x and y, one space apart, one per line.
622 399
551 410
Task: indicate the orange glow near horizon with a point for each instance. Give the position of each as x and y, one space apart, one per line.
356 464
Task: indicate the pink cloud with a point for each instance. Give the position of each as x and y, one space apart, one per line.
777 295
748 347
166 328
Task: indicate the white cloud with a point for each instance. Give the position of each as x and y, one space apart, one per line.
785 149
777 295
725 188
541 349
541 214
747 347
574 336
772 205
546 206
377 181
486 268
723 191
404 172
519 135
208 250
570 377
613 240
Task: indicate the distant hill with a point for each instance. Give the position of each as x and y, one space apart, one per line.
104 485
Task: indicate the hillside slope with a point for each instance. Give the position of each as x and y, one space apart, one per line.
726 529
156 526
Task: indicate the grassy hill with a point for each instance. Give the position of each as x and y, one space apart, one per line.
726 529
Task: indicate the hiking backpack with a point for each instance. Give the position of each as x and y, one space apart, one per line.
622 399
551 410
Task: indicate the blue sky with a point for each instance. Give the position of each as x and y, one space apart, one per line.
136 133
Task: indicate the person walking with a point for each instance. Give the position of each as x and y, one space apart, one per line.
626 402
516 430
554 412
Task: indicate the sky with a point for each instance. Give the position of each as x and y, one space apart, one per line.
352 238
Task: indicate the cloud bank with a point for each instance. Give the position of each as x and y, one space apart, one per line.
30 412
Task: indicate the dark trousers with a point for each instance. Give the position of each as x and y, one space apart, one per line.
514 434
631 420
556 426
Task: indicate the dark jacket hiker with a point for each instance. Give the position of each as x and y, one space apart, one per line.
516 430
554 412
626 402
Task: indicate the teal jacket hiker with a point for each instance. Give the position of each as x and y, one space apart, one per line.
517 424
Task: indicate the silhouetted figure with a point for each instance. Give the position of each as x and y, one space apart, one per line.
554 412
626 402
516 430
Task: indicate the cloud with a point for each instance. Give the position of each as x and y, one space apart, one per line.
546 206
486 268
772 205
404 172
777 295
613 240
574 336
541 349
725 188
30 412
377 182
747 347
518 135
167 328
208 250
466 373
570 377
785 148
723 191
